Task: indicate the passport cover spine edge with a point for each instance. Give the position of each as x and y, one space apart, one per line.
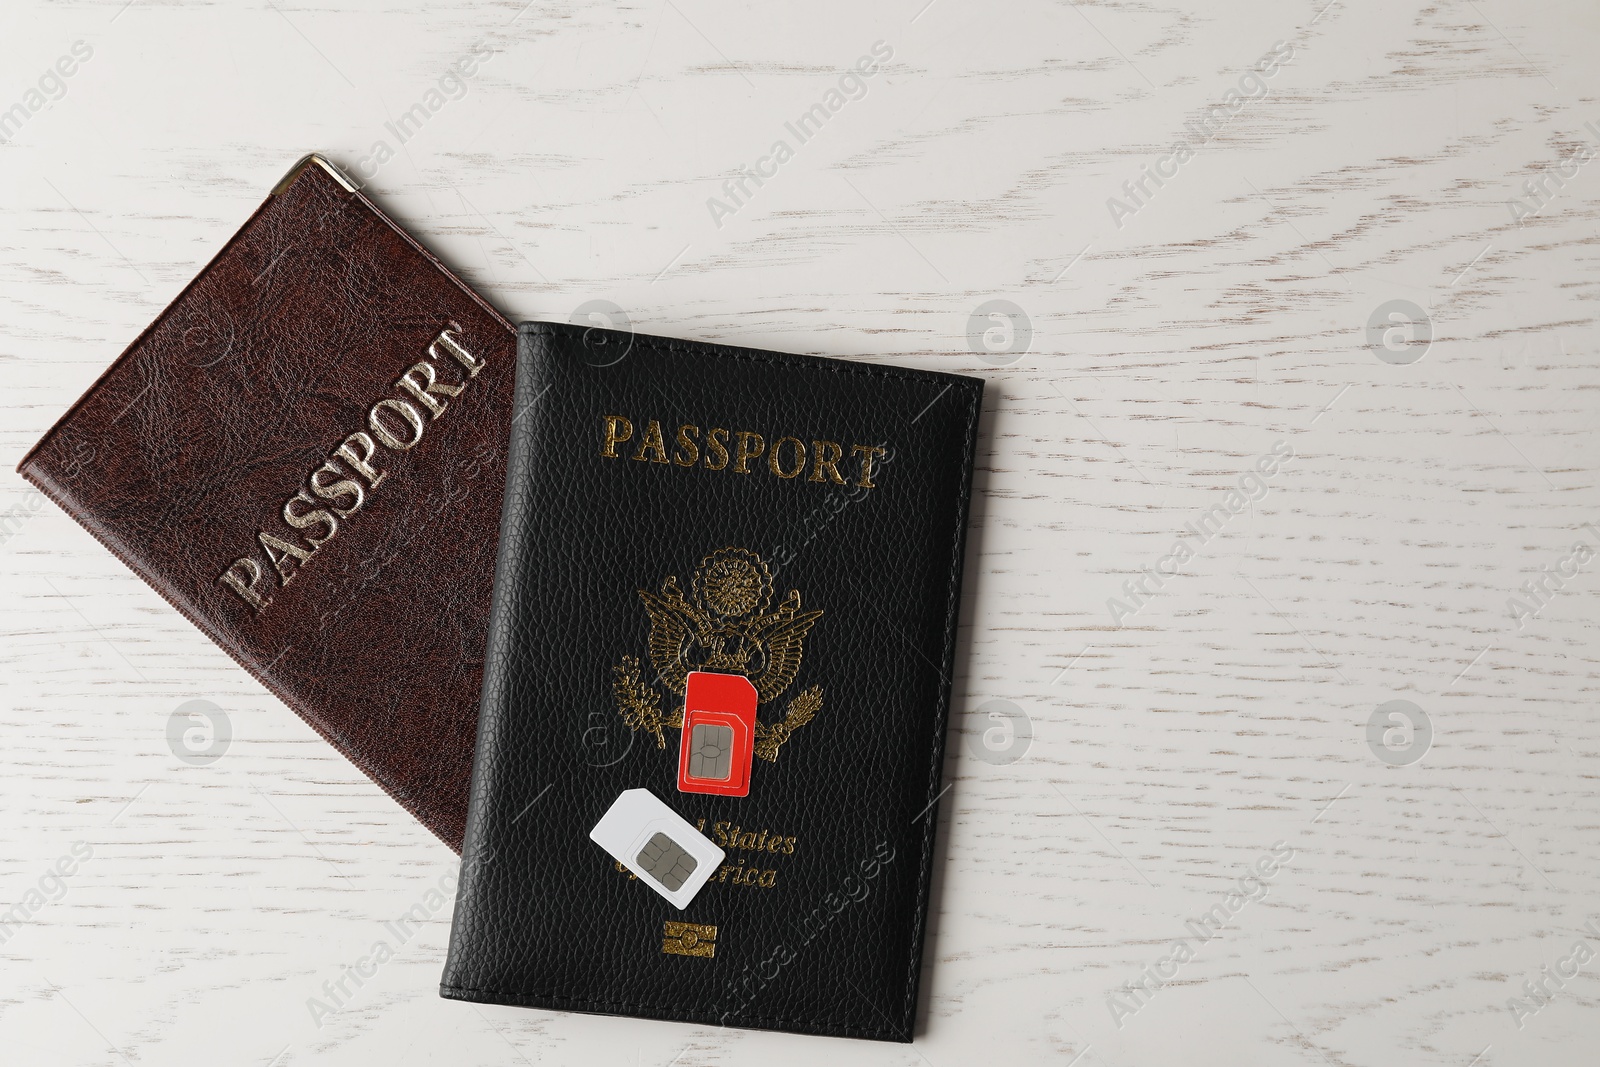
508 555
941 724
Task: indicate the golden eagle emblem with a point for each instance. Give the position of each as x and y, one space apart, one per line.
723 624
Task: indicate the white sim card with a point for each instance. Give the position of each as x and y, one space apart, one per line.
658 845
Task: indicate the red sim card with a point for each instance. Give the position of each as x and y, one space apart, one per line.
719 734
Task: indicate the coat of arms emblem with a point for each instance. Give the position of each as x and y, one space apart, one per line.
722 624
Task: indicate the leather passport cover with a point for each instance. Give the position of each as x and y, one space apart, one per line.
674 507
305 454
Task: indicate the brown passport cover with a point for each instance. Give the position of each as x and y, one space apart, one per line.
220 424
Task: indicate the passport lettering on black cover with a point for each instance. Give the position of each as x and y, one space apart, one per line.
675 507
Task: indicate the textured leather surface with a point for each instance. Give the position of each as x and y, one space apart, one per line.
196 436
825 936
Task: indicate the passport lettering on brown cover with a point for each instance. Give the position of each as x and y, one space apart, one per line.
305 454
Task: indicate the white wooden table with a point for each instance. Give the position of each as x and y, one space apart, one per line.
1161 743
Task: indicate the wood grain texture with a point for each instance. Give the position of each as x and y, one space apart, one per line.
1172 345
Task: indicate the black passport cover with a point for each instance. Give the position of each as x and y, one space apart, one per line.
645 533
